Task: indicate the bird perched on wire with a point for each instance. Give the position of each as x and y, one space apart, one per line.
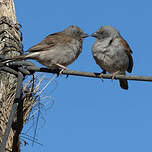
112 53
57 50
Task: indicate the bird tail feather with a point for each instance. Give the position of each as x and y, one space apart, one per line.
21 57
124 84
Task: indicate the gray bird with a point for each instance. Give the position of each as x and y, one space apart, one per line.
112 53
57 50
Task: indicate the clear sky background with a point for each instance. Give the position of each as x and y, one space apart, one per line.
90 115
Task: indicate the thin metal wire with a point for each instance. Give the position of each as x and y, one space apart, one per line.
32 69
89 74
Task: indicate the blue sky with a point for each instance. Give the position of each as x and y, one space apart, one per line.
88 114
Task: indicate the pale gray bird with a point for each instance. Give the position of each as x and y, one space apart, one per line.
57 50
112 53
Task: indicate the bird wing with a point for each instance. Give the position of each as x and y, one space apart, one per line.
50 41
128 52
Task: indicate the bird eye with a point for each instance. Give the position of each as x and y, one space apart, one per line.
78 33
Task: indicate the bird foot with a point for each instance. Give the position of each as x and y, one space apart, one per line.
62 69
114 75
101 76
102 73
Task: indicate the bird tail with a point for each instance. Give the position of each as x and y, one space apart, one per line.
18 58
123 83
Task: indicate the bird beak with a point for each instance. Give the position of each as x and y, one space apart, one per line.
94 34
84 35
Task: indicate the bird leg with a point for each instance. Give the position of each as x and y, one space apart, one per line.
102 73
114 74
62 67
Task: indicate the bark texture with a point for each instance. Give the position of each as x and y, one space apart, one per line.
10 45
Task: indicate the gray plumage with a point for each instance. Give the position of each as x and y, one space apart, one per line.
112 53
59 48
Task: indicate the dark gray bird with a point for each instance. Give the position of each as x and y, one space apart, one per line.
57 50
112 53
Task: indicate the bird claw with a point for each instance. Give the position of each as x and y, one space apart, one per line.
101 76
114 75
62 69
60 72
67 76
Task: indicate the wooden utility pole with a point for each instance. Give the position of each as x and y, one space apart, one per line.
10 45
7 81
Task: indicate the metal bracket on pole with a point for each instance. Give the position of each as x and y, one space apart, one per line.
13 111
